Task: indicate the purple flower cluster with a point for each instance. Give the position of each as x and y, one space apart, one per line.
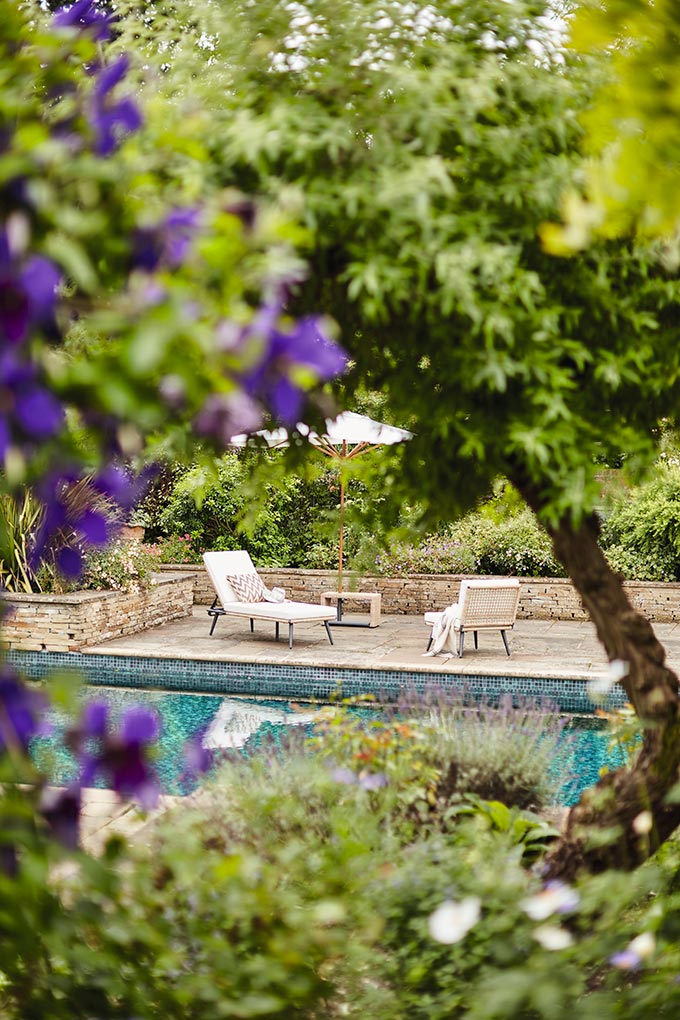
167 244
85 15
302 351
21 713
29 412
120 756
89 525
110 118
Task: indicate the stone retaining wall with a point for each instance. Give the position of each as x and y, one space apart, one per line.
541 598
68 623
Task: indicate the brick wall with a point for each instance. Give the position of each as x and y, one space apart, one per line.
541 598
67 623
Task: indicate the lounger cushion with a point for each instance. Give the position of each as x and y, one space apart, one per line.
284 612
247 587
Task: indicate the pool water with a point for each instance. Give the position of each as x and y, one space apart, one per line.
230 724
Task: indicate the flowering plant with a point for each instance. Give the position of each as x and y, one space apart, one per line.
120 566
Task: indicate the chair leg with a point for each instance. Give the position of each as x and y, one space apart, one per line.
290 635
460 644
429 643
328 631
213 624
252 625
277 629
505 641
475 634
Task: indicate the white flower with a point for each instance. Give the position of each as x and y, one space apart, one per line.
551 937
643 945
599 687
618 668
451 921
643 823
555 898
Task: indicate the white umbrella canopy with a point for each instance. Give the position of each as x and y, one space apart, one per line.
346 437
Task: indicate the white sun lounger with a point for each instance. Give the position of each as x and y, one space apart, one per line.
222 565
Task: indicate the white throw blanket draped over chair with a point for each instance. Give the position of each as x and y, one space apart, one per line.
445 631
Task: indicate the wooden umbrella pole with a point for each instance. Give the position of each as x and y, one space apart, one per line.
342 514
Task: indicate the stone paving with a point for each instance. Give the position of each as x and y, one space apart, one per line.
546 648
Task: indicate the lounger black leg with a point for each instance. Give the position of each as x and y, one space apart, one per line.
277 630
475 634
290 634
214 615
252 625
328 631
460 644
505 642
429 643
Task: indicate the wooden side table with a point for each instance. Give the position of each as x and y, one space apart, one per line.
374 599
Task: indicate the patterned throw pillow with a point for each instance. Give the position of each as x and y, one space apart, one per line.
247 587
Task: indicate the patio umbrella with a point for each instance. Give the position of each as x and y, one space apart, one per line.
348 436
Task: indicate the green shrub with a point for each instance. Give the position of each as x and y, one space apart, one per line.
175 549
515 545
282 522
481 543
283 890
641 529
657 565
437 554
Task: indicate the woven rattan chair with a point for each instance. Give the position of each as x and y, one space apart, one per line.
490 604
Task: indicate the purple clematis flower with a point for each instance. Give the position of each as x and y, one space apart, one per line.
140 726
121 756
21 710
70 562
95 719
111 119
224 415
28 411
61 811
166 244
85 15
28 293
303 352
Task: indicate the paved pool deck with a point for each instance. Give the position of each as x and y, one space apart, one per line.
539 648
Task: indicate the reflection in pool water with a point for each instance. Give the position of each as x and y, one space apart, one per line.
228 725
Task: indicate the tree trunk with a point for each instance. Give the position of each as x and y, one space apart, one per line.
607 828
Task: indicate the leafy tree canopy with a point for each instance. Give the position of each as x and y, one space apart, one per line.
632 127
427 145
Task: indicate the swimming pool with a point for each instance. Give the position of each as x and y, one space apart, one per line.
230 724
260 701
